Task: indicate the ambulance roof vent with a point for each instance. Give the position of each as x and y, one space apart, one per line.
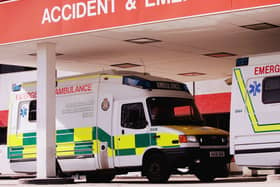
242 61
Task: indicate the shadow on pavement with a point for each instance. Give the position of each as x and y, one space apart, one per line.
191 180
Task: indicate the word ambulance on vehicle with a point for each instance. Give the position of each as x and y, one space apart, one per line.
255 106
115 122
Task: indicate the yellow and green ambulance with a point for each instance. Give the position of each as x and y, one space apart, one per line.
115 122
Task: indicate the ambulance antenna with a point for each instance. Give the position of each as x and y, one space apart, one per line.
144 67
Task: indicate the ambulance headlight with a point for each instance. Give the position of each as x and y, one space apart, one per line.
225 140
187 139
192 139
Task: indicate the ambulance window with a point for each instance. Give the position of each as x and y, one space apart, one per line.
173 111
271 90
133 116
32 116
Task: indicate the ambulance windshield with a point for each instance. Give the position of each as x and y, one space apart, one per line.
173 111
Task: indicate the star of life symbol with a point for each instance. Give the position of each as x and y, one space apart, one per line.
255 88
23 112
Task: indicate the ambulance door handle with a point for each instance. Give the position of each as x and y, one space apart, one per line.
122 131
156 136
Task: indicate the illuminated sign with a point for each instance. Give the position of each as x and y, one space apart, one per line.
78 10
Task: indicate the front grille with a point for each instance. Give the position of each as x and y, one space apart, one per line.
212 140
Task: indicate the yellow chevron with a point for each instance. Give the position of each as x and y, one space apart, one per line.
250 108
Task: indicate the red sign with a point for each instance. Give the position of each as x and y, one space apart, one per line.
3 118
29 19
213 103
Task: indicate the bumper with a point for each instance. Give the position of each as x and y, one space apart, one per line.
196 157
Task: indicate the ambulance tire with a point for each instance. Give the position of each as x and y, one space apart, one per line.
204 175
100 178
156 169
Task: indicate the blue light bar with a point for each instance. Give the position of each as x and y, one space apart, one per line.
242 61
147 84
137 82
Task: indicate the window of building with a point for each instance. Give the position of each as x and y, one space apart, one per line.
133 116
32 116
271 90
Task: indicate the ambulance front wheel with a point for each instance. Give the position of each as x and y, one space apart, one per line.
205 177
155 168
204 173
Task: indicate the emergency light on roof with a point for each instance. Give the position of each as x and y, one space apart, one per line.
137 82
147 84
16 87
242 61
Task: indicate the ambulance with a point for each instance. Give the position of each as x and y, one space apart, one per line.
255 111
117 122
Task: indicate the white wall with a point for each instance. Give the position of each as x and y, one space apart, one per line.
209 87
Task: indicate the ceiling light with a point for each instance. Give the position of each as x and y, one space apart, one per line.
260 26
192 74
142 40
35 54
125 65
220 54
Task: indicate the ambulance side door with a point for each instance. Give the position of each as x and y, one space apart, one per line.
131 134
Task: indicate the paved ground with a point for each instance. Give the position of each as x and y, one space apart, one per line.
179 181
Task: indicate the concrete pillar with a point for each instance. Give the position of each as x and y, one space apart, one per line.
46 105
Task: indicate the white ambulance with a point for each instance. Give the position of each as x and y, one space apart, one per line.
255 111
117 122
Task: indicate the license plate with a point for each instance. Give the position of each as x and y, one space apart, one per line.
215 154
